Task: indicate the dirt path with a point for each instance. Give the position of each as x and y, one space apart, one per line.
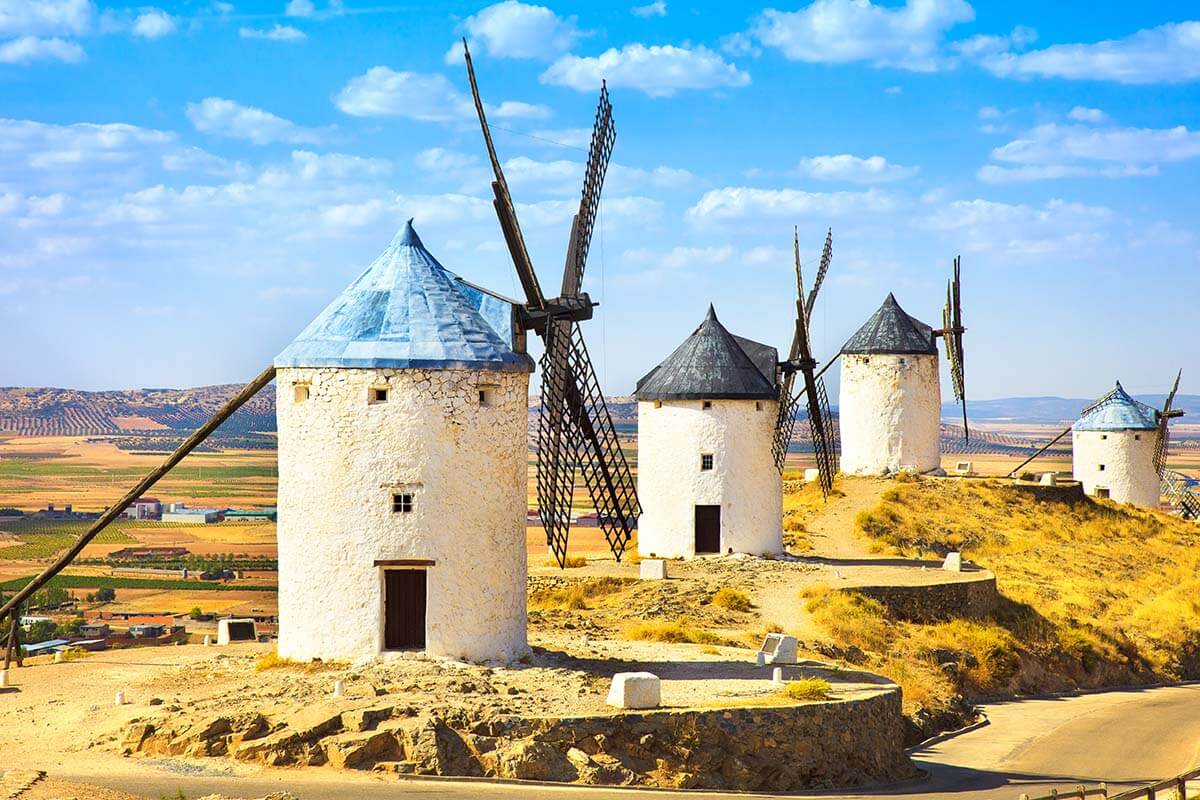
832 530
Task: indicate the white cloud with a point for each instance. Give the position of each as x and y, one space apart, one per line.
516 30
513 109
439 159
742 202
384 92
656 9
45 17
739 44
853 169
989 112
841 31
659 71
423 96
564 177
153 24
894 90
1084 114
568 137
222 117
1059 228
28 49
309 9
27 146
1167 54
278 33
985 45
1085 150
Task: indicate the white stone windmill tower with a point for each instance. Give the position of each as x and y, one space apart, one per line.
706 426
890 400
1119 448
714 423
402 412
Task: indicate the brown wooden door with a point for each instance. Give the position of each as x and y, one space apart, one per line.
404 609
708 529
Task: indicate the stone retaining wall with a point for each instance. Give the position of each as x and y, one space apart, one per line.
1063 492
823 745
935 602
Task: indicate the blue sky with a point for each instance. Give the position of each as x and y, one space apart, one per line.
183 187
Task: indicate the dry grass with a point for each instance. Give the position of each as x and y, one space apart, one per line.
671 631
849 618
275 661
571 562
807 689
1100 583
732 600
576 597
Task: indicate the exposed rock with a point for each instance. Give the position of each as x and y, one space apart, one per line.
360 750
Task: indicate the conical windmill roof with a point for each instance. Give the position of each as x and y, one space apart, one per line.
891 330
713 364
1117 411
408 311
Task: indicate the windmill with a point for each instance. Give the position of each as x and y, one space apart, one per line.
575 433
1163 434
951 333
800 359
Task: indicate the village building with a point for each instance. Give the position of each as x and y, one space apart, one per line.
1113 446
707 479
402 412
890 399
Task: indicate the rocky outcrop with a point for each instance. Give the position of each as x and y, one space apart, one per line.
774 748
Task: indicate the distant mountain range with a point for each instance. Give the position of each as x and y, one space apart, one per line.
1056 409
175 412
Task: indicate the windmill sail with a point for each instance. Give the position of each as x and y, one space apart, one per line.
816 399
1162 438
576 438
952 334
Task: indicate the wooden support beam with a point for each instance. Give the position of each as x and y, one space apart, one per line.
144 485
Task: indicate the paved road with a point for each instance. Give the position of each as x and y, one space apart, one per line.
1119 737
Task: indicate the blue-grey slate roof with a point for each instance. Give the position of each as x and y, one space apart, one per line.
893 331
408 311
713 364
1117 411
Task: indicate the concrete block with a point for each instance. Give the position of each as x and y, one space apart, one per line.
953 562
653 569
119 699
777 648
964 468
1049 479
236 630
635 690
3 679
811 475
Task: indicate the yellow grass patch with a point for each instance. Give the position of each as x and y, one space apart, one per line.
807 689
671 631
731 600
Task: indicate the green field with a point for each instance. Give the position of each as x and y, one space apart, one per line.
45 538
107 582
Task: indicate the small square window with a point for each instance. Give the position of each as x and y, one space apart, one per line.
706 461
758 405
1102 468
377 395
1137 437
300 392
658 403
707 404
402 503
487 395
1104 436
1102 492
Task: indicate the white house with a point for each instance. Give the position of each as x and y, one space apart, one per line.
1113 445
890 401
707 479
402 414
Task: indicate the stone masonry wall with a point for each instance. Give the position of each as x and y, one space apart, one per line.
934 602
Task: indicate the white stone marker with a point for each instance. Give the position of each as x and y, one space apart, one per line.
964 468
58 657
207 640
812 474
339 689
653 569
635 690
119 700
953 562
777 648
1049 479
3 679
777 676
